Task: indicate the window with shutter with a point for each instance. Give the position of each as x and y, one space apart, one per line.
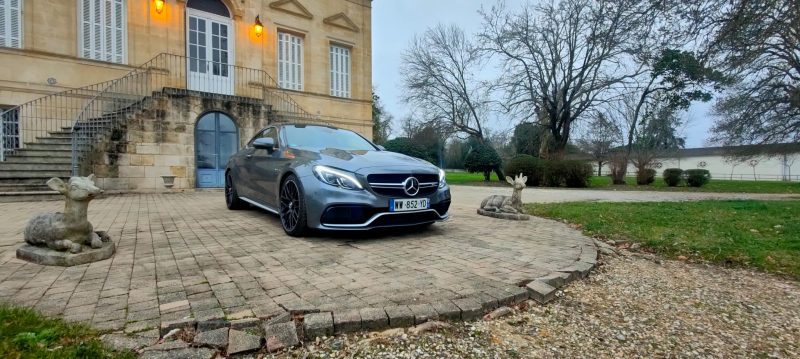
340 71
11 23
103 30
290 61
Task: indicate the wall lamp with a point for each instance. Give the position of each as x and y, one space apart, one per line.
160 6
258 27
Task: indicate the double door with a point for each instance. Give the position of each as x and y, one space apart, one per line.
216 140
210 53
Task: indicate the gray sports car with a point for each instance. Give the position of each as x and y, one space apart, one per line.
329 178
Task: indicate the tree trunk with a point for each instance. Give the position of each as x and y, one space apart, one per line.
499 172
487 176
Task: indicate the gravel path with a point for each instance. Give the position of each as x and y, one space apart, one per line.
632 306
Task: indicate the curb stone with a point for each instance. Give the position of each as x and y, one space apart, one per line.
318 325
346 321
541 291
373 319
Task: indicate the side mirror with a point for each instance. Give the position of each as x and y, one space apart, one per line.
264 143
381 147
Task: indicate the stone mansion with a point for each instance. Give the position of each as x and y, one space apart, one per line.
141 92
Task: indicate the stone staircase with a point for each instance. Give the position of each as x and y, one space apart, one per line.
24 174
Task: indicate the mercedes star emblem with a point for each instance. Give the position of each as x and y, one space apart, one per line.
411 186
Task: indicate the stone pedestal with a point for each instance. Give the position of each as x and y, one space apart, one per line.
503 215
49 257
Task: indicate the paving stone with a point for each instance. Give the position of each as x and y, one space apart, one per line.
373 319
217 338
281 336
187 353
283 317
471 309
447 310
240 342
488 301
206 325
541 291
579 269
346 321
422 313
126 342
556 279
169 345
167 326
318 325
249 324
400 316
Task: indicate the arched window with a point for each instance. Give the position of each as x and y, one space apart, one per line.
215 7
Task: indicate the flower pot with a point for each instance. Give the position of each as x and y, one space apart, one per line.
169 181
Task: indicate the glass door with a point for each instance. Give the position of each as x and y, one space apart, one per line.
210 53
216 140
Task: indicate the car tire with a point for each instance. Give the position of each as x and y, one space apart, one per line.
292 207
232 200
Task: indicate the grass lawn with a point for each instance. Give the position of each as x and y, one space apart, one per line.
26 334
604 182
760 234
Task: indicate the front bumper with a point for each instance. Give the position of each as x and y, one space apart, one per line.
332 208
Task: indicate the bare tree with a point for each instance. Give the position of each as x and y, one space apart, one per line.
600 139
439 75
561 57
759 43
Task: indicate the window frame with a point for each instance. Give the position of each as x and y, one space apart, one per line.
103 50
20 25
346 90
299 85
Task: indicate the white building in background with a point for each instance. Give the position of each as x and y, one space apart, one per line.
779 162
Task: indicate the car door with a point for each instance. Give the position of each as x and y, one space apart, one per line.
264 167
242 172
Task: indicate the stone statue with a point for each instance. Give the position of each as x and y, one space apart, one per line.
506 204
70 230
506 207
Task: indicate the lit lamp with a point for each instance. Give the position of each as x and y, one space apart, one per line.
160 6
258 27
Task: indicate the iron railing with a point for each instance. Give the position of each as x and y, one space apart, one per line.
91 112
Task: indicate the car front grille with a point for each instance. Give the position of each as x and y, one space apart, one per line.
391 184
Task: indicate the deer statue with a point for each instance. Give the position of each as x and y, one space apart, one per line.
71 229
506 204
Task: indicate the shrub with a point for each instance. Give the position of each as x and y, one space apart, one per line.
553 173
407 147
673 176
618 166
577 173
529 166
574 174
697 177
484 159
645 176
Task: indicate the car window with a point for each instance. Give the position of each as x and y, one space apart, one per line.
320 137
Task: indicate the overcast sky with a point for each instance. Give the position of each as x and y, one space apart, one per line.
394 24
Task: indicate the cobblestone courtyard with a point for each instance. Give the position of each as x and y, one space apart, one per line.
186 256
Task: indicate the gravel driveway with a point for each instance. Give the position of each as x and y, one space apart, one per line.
631 306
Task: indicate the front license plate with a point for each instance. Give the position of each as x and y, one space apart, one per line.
414 204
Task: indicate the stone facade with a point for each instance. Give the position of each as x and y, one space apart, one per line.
160 141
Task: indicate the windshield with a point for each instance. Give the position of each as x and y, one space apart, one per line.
318 137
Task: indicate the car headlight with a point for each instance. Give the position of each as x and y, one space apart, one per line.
442 180
337 178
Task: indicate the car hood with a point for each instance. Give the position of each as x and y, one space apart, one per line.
372 161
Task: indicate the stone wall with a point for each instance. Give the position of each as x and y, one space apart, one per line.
159 141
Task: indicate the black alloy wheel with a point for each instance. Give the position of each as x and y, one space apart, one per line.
232 199
293 207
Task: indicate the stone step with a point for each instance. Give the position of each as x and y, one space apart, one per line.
26 159
55 140
30 196
35 166
40 185
24 174
38 152
49 146
67 133
27 181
